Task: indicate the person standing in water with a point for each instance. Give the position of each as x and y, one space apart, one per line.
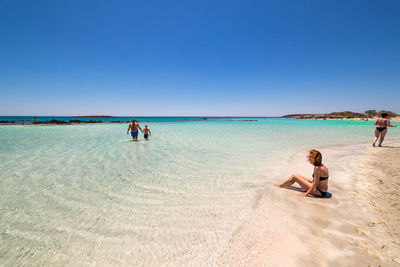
318 186
133 126
381 128
146 132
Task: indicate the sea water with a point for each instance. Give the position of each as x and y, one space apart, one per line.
89 195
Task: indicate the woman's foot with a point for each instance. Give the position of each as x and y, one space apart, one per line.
373 144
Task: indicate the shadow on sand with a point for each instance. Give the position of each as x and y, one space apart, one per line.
395 147
299 189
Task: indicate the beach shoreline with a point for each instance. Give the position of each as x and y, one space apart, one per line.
230 214
359 210
365 206
357 226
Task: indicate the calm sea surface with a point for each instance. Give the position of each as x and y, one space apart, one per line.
89 195
19 119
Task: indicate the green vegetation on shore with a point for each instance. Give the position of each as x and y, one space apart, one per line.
343 115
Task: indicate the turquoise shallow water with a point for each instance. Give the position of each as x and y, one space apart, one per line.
87 194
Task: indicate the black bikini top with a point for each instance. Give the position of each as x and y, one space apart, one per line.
321 178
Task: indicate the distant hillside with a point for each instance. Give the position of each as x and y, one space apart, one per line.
296 115
343 115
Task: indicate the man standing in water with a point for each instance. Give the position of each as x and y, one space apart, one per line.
133 126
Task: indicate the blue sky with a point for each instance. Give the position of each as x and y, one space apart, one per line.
248 58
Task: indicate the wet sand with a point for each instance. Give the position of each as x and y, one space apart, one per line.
358 226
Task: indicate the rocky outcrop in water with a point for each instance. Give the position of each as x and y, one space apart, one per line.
58 122
52 122
90 121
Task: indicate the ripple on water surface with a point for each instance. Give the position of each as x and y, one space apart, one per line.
89 194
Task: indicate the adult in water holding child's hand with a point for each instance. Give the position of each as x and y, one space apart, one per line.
381 128
319 185
133 126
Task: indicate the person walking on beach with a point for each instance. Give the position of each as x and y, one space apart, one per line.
318 186
133 126
381 128
146 132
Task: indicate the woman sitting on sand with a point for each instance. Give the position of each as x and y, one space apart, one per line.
381 128
319 185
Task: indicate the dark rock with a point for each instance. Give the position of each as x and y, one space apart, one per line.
52 122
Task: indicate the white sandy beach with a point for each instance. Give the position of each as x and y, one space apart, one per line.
358 226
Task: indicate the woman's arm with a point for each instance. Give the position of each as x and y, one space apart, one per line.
317 175
389 125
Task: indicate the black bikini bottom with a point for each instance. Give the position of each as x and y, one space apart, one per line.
380 128
323 194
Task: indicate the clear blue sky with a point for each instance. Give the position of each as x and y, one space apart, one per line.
219 57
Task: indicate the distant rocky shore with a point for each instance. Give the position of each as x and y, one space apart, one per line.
50 122
369 114
60 122
321 116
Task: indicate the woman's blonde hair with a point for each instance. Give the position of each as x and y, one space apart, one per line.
315 157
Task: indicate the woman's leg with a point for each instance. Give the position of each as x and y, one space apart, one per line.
297 178
377 133
383 133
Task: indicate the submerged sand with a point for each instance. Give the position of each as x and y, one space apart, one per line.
358 226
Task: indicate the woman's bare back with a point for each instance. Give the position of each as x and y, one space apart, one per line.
382 122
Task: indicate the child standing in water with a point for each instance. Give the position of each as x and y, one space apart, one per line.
146 132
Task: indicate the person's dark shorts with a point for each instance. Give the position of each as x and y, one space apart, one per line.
146 136
135 134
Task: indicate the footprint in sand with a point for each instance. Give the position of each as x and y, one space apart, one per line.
359 231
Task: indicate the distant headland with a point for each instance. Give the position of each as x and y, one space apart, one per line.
369 114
